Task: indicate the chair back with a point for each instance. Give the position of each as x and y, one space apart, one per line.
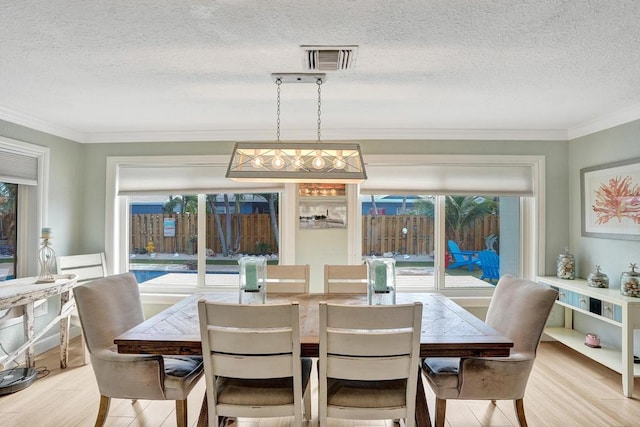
288 279
490 265
345 279
87 266
371 345
108 307
519 310
260 341
454 250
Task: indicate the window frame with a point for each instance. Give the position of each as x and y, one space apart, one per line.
532 219
31 219
117 225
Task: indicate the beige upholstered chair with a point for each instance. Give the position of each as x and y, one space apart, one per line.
109 307
518 310
288 279
87 267
345 279
252 361
369 361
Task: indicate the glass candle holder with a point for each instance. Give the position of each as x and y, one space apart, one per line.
253 280
47 261
381 281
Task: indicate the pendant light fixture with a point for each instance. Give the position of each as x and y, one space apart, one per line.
297 161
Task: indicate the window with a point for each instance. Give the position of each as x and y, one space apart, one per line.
403 227
165 235
437 216
8 230
23 182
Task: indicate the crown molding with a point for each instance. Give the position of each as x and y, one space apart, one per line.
330 134
26 120
606 121
598 124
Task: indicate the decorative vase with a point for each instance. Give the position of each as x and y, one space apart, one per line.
566 268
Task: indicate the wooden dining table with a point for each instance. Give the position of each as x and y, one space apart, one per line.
448 330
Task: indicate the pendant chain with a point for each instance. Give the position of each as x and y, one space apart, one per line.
319 82
278 82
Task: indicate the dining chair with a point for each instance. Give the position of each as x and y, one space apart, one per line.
368 361
518 310
108 307
288 279
88 267
252 361
345 279
490 265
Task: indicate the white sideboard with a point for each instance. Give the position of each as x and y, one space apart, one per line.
606 305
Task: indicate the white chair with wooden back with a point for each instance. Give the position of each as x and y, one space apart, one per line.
88 267
252 361
109 307
369 361
288 279
345 279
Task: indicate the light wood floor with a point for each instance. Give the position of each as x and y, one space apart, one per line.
565 389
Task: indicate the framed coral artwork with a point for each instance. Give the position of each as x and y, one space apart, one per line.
611 200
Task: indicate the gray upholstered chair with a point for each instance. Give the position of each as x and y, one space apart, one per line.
369 361
109 307
518 310
252 361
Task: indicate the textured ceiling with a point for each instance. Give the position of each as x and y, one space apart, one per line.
201 70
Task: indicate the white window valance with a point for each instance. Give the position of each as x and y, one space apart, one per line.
182 175
461 175
17 167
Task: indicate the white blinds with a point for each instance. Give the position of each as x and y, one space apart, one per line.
477 175
18 168
184 179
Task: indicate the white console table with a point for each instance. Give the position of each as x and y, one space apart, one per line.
606 305
24 293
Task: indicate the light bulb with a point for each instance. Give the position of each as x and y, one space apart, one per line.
318 160
257 160
278 161
339 163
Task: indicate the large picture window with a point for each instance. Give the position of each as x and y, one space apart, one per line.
164 236
404 227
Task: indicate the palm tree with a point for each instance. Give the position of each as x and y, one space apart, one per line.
461 212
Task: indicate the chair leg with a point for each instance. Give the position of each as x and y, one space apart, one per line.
518 405
181 413
307 402
85 352
441 409
103 410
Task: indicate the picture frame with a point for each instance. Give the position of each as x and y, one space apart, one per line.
315 214
610 200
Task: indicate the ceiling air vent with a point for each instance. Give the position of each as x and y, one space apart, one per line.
329 58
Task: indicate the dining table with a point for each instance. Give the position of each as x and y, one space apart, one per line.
448 330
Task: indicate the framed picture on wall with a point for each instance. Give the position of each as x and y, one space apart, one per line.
611 200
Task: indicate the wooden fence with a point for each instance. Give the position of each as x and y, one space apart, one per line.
386 233
253 230
380 233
